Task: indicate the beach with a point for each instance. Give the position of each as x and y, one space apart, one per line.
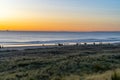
34 46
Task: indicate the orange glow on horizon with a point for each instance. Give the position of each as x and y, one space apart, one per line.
58 15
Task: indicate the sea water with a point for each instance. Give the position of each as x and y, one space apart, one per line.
25 38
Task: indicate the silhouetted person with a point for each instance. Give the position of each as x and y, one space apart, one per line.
60 44
94 44
1 46
85 44
77 44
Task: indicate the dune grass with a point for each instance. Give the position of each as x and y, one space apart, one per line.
61 63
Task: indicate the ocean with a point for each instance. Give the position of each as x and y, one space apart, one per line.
15 38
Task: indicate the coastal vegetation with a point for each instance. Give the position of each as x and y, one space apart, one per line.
75 62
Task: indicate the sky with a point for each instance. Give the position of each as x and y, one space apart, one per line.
60 15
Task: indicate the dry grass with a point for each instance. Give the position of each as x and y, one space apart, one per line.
72 77
61 63
109 75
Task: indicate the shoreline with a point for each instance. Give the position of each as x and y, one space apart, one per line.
34 46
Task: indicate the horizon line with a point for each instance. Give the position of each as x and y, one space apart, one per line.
51 31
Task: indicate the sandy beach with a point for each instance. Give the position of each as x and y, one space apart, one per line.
34 46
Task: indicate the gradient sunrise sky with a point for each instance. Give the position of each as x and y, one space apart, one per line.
60 15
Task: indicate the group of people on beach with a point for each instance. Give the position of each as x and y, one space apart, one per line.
85 44
77 44
1 46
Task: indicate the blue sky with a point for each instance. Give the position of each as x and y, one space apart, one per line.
98 8
92 7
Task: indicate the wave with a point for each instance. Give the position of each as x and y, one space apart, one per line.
64 41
